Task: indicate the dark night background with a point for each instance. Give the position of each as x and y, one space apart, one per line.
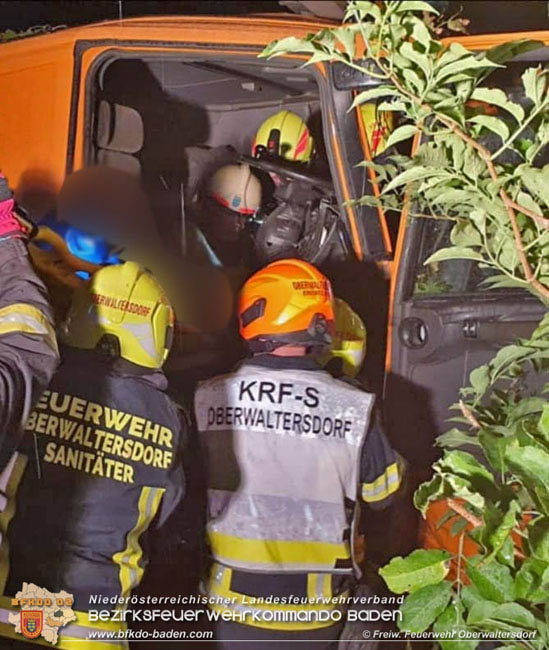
486 16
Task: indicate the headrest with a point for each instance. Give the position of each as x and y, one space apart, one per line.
119 128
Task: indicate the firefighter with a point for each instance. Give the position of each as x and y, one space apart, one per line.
28 347
289 449
345 356
232 196
100 467
286 136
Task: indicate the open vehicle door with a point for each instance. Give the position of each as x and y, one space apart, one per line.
443 323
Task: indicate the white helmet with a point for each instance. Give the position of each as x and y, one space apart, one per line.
236 188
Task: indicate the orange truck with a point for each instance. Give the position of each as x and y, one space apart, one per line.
136 94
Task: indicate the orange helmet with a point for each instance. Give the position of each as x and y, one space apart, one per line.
287 302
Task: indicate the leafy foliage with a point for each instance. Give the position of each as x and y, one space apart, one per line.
10 34
479 163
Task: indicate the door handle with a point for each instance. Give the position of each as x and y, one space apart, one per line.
498 331
413 333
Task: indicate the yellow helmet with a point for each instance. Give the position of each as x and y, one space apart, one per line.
349 340
293 141
377 126
124 312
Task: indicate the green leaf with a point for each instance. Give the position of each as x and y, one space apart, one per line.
543 424
402 133
506 554
492 580
531 581
465 465
534 80
408 175
454 253
495 536
458 526
427 492
366 9
497 97
507 355
466 64
470 596
346 36
319 56
515 614
473 166
480 379
420 609
528 202
451 624
456 438
536 181
450 198
491 123
372 93
495 449
408 51
413 79
481 611
394 105
415 5
507 51
530 465
421 34
419 569
527 406
453 53
538 538
289 44
464 233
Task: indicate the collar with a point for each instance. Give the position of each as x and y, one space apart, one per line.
113 365
275 362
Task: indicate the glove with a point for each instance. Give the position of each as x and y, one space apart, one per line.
9 225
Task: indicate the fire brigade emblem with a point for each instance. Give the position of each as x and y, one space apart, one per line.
32 622
43 613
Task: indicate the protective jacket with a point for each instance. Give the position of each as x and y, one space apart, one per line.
28 348
98 469
287 447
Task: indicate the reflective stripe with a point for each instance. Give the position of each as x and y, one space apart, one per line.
9 484
264 553
130 572
219 586
304 519
319 585
26 319
383 486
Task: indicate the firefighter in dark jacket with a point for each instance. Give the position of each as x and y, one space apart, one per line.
100 467
290 449
28 348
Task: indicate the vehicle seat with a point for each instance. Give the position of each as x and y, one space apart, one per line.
120 135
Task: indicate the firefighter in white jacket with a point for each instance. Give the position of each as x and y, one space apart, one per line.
290 449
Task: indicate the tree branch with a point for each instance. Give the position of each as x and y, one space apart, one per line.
510 205
468 414
475 521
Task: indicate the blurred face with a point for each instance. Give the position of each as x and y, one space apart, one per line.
223 224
